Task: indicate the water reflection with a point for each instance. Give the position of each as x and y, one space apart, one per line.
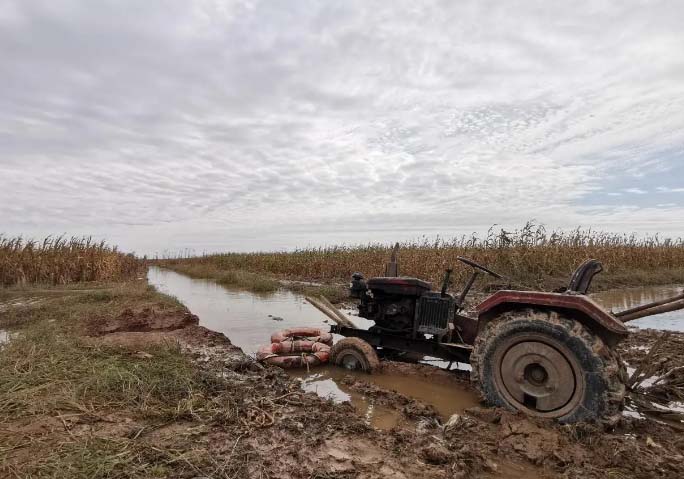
618 300
244 317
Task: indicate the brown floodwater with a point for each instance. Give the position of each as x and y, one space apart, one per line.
621 299
248 320
446 397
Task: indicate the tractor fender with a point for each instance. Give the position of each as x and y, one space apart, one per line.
577 306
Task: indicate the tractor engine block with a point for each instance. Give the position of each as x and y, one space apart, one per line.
390 313
391 303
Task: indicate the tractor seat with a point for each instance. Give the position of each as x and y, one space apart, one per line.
582 277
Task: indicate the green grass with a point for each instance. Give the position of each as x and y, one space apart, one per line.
43 370
257 283
72 308
50 376
124 458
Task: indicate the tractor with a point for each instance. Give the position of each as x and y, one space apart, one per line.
549 355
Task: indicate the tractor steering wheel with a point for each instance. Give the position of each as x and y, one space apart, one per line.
473 264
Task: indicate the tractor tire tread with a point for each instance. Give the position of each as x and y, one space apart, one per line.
360 346
611 369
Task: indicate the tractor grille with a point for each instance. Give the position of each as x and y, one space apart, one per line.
434 312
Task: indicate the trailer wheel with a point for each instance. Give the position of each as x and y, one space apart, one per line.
354 353
548 365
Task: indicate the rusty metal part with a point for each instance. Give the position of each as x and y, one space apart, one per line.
538 375
466 328
342 318
449 351
665 308
466 288
571 302
446 281
475 265
333 313
392 268
649 309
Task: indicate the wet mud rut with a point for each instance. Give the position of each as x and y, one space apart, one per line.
409 421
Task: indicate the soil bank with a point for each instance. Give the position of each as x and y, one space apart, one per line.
122 382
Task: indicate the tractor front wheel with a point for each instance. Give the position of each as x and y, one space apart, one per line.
548 365
354 353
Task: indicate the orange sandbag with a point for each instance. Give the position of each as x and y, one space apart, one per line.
316 335
294 354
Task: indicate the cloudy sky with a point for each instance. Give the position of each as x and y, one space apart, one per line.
242 125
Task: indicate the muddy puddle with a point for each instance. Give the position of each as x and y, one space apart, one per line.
618 300
248 319
334 383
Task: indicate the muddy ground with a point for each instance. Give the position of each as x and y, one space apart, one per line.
239 419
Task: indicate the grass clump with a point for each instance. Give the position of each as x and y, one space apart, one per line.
256 282
230 278
102 458
124 458
42 371
74 406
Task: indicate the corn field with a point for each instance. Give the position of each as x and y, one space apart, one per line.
530 256
58 260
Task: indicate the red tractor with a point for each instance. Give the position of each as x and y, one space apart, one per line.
546 354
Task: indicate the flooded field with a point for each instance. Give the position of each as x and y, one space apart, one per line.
248 319
333 382
618 300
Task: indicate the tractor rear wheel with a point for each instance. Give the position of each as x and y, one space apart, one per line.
354 353
548 365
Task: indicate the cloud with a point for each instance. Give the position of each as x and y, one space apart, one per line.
665 189
234 124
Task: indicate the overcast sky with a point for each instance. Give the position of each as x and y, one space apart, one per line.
243 125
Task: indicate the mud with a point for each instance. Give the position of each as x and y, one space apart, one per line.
298 434
295 433
247 318
144 320
396 393
19 303
287 431
655 363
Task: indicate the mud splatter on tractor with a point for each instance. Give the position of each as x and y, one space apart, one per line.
546 354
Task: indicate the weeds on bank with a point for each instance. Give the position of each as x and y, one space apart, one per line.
256 282
73 308
115 458
231 278
58 260
90 406
531 255
43 371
